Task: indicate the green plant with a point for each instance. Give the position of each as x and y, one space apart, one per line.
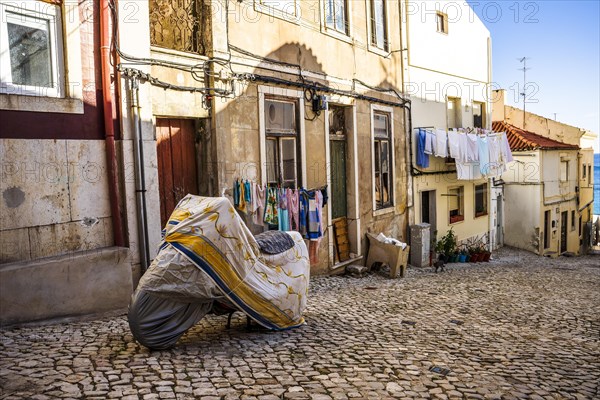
447 243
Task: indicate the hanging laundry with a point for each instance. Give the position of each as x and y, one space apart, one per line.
236 193
303 212
422 158
468 171
242 195
248 192
505 148
429 142
258 203
463 147
293 209
271 216
454 144
472 149
441 143
484 154
315 205
284 219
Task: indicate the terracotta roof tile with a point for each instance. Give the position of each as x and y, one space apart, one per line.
521 140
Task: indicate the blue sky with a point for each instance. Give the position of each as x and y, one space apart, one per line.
562 41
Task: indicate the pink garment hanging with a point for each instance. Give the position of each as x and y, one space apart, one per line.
293 209
258 204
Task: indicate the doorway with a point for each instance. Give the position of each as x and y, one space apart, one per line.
499 230
428 210
563 231
177 166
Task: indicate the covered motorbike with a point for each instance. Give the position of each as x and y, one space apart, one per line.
208 255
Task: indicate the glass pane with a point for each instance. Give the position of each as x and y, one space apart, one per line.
329 13
385 156
340 15
280 117
378 27
288 157
30 52
272 175
380 125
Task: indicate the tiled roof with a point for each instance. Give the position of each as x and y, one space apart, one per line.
521 140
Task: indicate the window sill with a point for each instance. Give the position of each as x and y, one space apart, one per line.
478 215
376 50
346 38
383 211
458 218
15 102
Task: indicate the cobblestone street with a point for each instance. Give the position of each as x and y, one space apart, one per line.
518 327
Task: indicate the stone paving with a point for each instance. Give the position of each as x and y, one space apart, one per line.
518 327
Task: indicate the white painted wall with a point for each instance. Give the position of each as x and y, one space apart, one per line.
521 218
462 52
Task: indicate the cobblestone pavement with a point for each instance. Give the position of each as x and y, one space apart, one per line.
518 327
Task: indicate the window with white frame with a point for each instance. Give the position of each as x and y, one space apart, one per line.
456 204
481 196
382 150
336 16
31 49
379 34
282 143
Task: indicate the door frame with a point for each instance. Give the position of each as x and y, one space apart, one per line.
353 198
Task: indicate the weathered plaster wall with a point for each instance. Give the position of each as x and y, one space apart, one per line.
54 198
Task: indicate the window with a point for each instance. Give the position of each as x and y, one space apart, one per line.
454 119
584 171
564 171
31 49
177 25
572 220
481 206
336 15
441 21
379 37
589 174
456 204
478 114
282 160
382 150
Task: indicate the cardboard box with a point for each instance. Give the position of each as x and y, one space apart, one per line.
390 254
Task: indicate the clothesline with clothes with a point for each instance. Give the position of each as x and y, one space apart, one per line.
477 153
286 209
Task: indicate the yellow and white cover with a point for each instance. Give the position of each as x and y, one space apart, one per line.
208 252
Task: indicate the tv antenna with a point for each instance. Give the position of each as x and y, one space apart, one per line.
524 92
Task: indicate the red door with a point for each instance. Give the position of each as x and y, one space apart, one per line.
177 168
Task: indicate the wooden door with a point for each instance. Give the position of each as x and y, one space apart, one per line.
177 168
563 231
339 200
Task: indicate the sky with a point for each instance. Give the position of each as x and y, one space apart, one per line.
561 39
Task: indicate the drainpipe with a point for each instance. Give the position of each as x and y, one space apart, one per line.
109 131
140 176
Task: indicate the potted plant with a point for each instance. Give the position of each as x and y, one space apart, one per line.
447 246
464 254
486 255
